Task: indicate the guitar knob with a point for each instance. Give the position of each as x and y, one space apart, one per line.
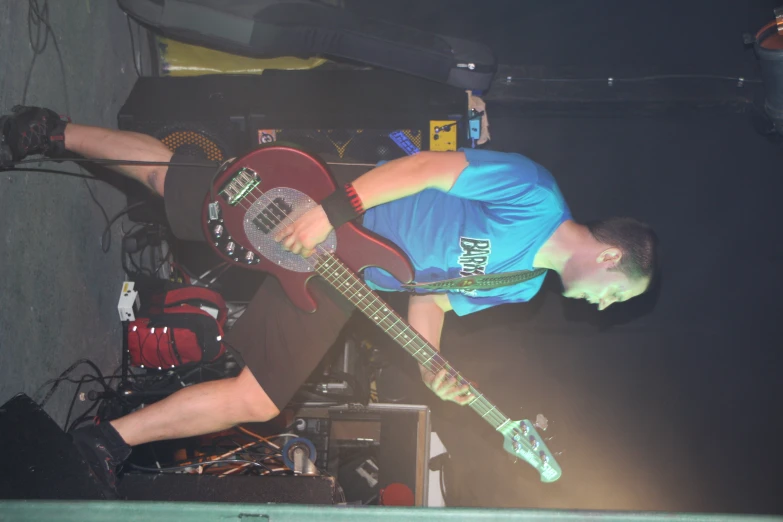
230 247
218 231
533 442
249 256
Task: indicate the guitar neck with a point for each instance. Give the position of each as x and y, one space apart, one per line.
357 292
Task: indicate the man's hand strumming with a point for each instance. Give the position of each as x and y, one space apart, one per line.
307 232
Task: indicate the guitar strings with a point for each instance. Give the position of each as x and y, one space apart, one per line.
322 255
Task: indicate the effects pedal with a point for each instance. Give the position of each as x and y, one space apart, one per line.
443 135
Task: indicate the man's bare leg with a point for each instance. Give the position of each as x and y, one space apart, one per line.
100 143
199 409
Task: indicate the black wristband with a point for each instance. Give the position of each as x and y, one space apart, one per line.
342 206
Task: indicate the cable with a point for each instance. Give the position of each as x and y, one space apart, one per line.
259 437
100 161
222 271
139 270
95 378
200 279
103 211
56 382
86 414
83 417
87 378
110 222
49 171
36 45
168 258
73 402
105 240
443 482
198 464
133 48
36 16
286 435
631 78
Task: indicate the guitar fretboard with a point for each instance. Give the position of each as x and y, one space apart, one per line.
370 304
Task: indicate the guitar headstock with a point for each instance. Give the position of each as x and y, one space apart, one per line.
521 440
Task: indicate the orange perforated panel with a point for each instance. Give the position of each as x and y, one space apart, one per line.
188 139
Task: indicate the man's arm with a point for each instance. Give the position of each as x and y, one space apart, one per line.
393 180
426 314
409 175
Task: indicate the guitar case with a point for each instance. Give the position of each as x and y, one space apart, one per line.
307 28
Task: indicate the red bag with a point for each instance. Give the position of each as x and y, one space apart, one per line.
174 330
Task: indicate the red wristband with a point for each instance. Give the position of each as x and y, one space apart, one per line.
342 206
353 197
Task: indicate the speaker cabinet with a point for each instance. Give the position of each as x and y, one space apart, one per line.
39 459
341 115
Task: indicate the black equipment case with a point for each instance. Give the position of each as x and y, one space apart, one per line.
307 28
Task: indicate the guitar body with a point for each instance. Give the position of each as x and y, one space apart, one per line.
289 182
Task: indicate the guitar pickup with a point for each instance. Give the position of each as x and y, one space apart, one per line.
240 186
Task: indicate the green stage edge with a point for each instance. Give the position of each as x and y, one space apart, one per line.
87 511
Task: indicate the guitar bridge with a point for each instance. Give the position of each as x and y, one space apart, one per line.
240 186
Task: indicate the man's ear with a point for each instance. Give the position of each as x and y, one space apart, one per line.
611 255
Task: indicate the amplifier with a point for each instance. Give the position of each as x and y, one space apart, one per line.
370 449
356 115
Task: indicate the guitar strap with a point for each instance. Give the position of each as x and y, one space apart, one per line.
479 282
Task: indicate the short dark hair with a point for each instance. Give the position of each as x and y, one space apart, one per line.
638 242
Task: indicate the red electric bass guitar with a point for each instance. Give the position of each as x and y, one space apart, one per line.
255 196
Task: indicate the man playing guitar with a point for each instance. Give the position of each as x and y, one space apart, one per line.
453 214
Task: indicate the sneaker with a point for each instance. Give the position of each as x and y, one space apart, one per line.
31 130
104 450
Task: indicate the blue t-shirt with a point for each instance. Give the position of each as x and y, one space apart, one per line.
501 210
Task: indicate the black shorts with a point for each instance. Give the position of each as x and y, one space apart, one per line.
280 344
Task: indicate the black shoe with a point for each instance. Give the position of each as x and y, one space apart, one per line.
104 450
31 130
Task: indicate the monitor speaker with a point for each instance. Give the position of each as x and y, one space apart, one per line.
39 459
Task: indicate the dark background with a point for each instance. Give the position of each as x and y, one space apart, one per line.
671 401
